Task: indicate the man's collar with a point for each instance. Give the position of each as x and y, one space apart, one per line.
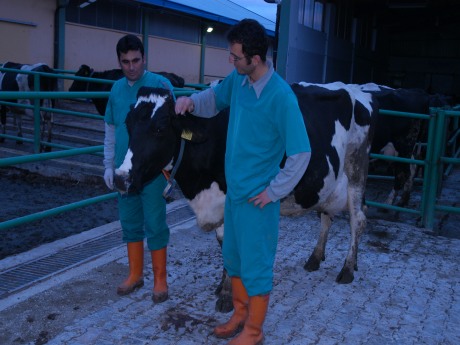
260 84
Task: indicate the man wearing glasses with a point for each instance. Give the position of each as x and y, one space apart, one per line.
265 123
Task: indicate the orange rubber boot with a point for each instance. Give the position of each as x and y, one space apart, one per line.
240 311
135 279
160 285
252 332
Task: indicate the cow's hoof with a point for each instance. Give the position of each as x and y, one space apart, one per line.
312 264
345 276
224 304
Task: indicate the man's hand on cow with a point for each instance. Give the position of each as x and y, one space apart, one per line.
108 178
260 199
184 104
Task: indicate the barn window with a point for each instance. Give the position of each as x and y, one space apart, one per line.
311 14
306 10
318 16
106 14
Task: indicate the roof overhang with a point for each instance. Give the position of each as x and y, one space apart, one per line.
221 11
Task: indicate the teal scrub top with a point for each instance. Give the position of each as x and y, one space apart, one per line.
122 96
260 131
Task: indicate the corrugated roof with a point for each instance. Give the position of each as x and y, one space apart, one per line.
224 11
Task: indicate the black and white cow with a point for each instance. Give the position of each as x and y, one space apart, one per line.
397 136
14 81
113 74
339 121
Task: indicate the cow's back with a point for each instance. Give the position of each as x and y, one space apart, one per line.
401 131
338 125
8 79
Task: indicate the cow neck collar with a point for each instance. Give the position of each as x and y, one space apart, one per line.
170 176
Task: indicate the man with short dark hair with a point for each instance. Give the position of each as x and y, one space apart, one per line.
142 215
265 123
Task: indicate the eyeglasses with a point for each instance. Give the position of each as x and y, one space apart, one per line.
234 58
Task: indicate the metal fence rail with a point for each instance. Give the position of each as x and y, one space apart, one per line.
67 151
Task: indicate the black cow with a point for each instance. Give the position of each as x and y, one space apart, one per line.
398 136
14 81
113 74
339 121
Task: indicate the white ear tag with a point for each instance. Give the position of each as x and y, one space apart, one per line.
187 134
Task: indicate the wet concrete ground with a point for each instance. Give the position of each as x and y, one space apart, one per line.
407 291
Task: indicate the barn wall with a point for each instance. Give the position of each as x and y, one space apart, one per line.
306 61
304 49
183 59
27 31
369 66
91 46
314 56
339 60
435 74
96 47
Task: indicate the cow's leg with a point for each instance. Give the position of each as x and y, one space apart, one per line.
408 185
318 254
224 302
358 223
405 173
391 197
208 206
18 117
46 126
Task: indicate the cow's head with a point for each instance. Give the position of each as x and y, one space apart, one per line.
151 139
155 132
77 85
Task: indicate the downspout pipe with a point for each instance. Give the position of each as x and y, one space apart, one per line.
202 54
59 37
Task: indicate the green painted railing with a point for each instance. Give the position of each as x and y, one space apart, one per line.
4 162
434 169
55 211
433 164
67 151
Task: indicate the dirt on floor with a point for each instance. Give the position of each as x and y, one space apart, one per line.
24 193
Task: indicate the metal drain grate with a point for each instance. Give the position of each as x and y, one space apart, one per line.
21 276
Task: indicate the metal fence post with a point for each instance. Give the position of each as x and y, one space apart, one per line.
37 132
427 204
433 179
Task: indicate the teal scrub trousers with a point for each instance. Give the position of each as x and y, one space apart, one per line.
146 210
250 242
